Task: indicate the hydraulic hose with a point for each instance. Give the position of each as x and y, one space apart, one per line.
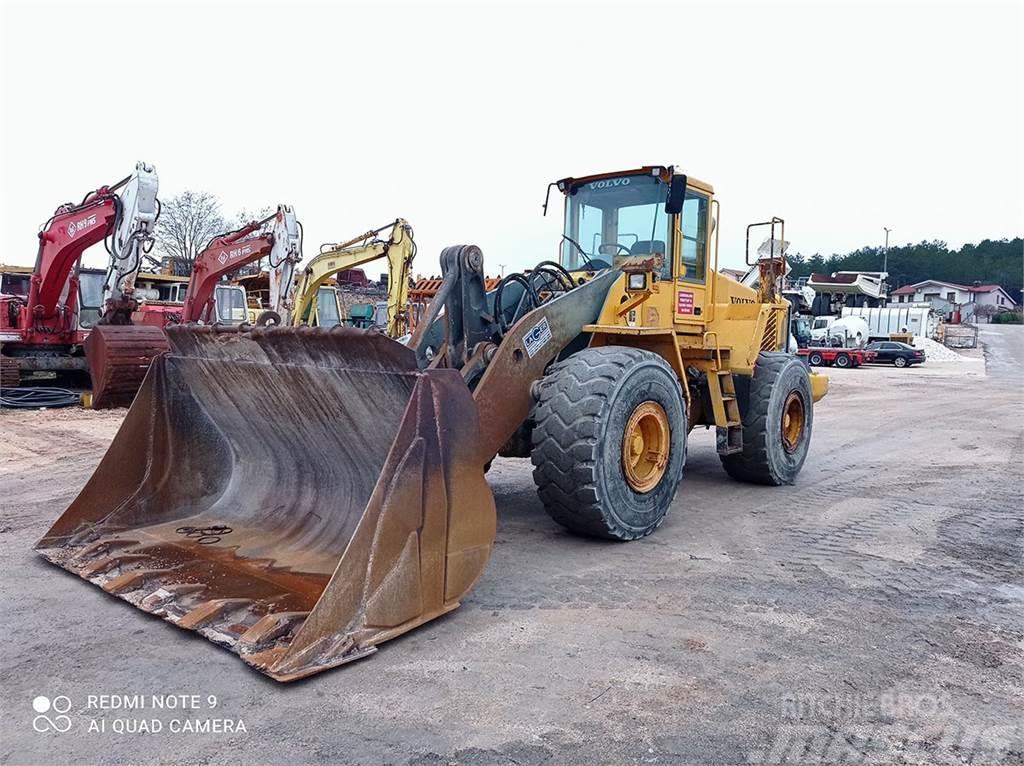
35 398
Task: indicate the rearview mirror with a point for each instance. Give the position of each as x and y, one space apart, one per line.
676 194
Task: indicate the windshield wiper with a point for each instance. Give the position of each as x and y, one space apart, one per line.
583 252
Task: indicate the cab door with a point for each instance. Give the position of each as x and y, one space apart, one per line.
690 253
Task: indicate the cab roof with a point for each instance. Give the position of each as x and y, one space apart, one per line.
665 171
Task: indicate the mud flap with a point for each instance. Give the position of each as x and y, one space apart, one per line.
297 496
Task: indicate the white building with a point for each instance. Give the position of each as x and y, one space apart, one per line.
945 297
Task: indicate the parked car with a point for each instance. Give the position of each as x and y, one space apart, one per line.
899 354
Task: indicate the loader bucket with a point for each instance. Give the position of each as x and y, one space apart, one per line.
297 495
119 357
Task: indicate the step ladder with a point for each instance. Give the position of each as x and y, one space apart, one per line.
722 387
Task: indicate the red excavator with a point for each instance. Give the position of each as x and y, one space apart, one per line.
41 330
114 346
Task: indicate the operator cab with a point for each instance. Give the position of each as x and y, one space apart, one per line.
230 304
328 307
632 213
90 296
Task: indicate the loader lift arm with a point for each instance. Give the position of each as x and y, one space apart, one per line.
400 250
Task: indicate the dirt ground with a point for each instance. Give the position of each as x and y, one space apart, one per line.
872 613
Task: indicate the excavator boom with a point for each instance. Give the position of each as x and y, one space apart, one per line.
399 249
230 252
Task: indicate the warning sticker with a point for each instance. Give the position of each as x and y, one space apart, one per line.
537 337
684 303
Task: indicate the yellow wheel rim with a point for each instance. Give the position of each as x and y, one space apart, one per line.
645 447
792 421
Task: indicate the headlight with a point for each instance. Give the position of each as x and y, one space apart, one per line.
637 281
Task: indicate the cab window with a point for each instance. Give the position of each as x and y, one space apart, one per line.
693 222
327 313
90 298
609 218
230 302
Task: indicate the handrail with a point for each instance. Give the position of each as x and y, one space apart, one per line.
716 217
718 349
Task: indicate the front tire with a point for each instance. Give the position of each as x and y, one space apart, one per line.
609 442
777 422
900 361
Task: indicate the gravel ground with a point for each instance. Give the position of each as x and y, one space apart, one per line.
872 613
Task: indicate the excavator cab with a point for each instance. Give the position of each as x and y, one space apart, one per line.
230 304
324 310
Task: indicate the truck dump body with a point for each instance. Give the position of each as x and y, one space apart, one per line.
256 494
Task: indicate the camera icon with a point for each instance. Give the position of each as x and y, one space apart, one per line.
59 705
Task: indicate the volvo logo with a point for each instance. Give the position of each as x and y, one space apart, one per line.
608 183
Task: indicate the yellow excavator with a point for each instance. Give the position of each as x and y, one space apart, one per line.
399 247
304 534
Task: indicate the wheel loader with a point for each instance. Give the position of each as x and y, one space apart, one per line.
301 495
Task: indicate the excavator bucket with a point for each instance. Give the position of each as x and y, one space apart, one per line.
119 357
297 496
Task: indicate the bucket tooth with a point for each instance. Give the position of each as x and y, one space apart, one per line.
270 627
303 495
169 594
211 611
106 564
134 580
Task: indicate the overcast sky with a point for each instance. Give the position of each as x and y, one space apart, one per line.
841 120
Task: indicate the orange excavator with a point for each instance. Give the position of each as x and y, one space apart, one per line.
119 353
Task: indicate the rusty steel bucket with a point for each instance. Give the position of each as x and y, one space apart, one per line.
297 496
119 357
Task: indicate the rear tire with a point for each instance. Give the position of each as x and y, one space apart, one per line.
585 407
766 457
842 360
900 361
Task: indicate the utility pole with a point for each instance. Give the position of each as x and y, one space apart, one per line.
885 262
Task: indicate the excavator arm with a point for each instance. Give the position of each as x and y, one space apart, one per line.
399 248
230 252
125 221
134 222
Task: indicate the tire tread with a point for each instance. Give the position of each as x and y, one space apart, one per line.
566 437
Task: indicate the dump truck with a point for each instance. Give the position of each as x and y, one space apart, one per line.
301 495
